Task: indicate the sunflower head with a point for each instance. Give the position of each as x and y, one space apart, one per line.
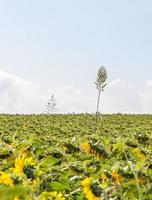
6 179
116 177
90 190
23 166
86 147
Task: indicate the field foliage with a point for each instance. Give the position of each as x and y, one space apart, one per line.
46 157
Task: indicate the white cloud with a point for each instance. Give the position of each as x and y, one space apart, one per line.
121 97
20 96
70 99
146 97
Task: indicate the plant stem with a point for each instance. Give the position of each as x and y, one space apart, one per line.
97 110
135 175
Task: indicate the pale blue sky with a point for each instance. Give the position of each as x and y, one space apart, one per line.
63 42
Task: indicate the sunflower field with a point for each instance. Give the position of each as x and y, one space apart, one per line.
46 157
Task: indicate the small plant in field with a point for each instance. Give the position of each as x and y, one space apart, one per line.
100 85
51 105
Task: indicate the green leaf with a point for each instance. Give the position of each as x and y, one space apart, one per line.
48 162
4 152
22 147
139 165
7 193
58 186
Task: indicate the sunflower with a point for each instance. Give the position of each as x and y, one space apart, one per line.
86 183
6 179
86 147
89 148
116 176
16 198
57 195
54 195
21 163
139 154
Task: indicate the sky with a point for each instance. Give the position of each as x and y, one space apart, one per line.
56 47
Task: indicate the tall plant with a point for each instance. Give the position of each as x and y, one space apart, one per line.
51 105
100 85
